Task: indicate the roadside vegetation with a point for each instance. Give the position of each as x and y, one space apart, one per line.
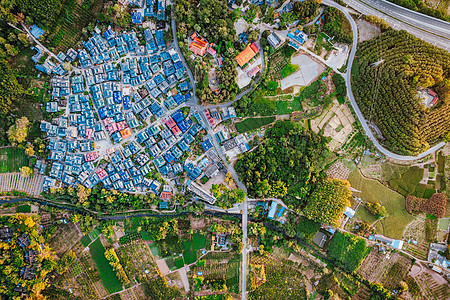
251 124
438 10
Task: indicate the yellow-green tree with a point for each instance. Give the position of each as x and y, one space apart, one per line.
328 200
26 171
17 133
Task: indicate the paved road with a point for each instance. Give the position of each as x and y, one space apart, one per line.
360 116
39 43
194 104
432 30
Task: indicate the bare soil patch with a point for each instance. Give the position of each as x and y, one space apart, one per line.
367 31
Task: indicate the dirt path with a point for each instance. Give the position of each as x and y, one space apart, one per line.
162 265
184 278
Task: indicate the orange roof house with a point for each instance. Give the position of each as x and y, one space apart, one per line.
249 52
198 46
126 133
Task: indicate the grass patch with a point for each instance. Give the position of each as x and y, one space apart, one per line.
189 254
286 107
250 124
107 274
179 263
12 159
288 70
199 241
373 191
170 262
23 208
364 215
154 249
85 240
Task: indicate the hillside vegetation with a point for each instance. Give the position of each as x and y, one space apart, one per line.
387 93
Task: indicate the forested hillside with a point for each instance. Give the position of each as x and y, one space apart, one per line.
387 74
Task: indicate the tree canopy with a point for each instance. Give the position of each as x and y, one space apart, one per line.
327 201
348 250
10 89
284 164
389 71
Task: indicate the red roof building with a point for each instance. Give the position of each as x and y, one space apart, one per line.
126 133
176 130
90 156
245 56
198 46
101 174
170 123
211 51
166 195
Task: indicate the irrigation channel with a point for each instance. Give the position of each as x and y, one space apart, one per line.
138 215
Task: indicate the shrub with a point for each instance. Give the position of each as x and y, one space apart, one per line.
435 206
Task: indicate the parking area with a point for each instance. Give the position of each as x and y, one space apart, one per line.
309 70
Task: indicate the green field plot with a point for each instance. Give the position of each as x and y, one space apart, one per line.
189 254
373 191
12 159
250 124
286 107
170 263
407 183
107 274
23 208
199 241
443 224
85 240
179 262
288 70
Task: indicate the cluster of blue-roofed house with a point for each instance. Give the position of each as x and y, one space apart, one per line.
120 118
152 9
274 211
297 38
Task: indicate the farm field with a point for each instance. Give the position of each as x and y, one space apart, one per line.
282 281
373 191
12 159
83 278
219 269
251 124
388 270
406 180
65 237
433 289
78 15
23 208
416 231
109 278
137 260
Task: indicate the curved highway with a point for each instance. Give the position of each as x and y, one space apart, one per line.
429 29
360 116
